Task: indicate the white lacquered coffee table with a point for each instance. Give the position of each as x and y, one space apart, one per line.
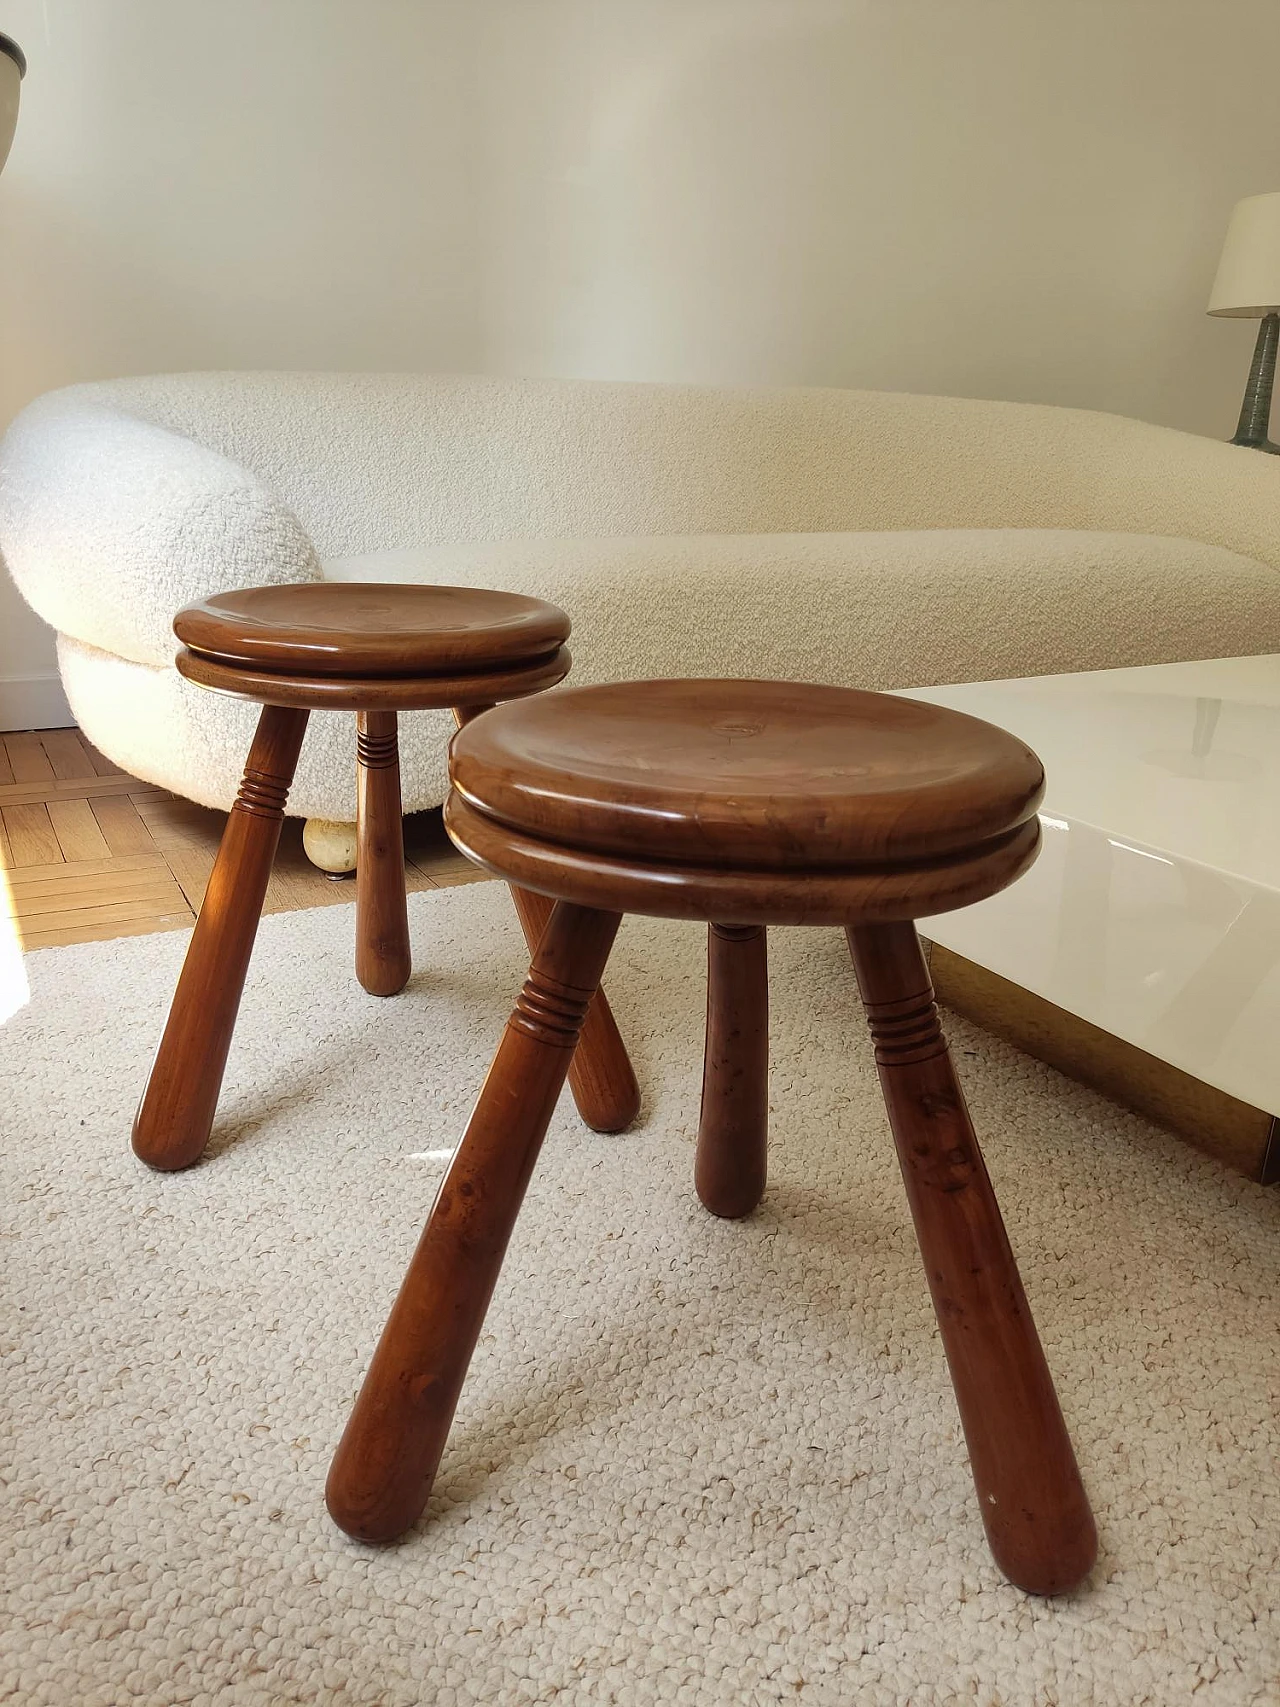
1142 950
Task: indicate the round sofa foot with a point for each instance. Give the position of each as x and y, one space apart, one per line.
330 846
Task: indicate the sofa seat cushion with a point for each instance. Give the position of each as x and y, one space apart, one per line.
875 610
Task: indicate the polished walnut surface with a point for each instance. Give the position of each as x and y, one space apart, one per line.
423 690
743 804
374 650
775 775
348 628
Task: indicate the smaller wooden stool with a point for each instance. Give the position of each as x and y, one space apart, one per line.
376 650
741 804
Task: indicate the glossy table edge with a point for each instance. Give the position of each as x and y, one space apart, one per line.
1175 954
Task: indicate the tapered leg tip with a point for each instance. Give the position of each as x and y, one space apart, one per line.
609 1115
363 1518
164 1155
1042 1569
385 980
729 1203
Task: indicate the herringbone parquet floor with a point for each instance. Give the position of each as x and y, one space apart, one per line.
88 852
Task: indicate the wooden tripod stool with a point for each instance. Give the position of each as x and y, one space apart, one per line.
742 804
375 650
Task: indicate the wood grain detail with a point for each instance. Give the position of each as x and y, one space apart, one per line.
27 758
32 838
77 830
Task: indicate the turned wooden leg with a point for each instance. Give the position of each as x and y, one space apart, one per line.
601 1077
383 961
386 1461
600 1073
176 1113
733 1133
1032 1500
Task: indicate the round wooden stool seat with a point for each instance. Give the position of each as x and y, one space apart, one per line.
746 800
350 628
373 646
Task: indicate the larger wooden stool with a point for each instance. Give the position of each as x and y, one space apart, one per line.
743 804
375 650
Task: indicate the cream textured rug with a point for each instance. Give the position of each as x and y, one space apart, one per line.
695 1462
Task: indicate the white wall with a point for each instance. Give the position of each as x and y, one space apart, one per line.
227 183
1014 198
1002 198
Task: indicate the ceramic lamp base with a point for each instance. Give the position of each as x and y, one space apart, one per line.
1255 411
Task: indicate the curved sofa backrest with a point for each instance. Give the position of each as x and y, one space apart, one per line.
374 460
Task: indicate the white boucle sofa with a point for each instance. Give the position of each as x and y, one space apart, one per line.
868 538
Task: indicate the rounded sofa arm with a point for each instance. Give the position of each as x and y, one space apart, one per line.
110 524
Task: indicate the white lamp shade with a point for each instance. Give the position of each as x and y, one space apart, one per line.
1248 281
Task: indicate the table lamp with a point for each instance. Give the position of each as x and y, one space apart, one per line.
1248 288
13 67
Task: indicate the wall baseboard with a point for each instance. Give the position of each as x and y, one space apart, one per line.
33 702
